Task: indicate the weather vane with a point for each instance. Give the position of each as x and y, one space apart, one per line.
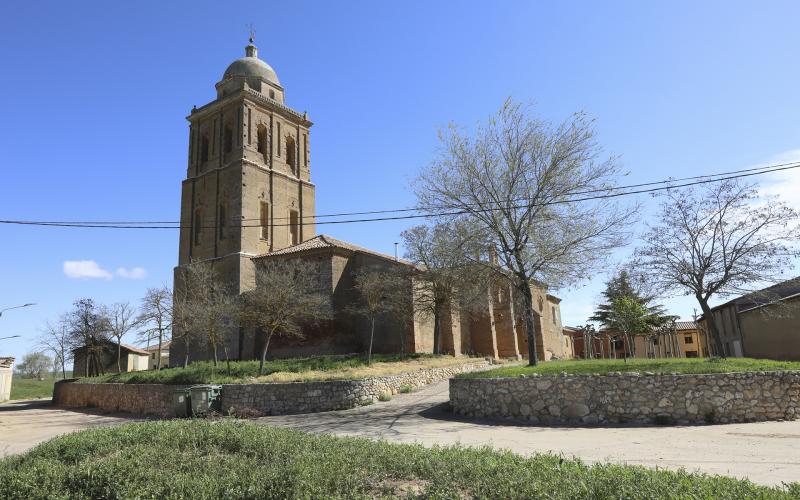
252 30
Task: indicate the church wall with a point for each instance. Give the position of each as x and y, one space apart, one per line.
505 326
389 330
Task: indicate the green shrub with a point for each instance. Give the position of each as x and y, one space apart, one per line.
405 389
235 459
385 397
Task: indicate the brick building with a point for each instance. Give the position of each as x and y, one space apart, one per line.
248 198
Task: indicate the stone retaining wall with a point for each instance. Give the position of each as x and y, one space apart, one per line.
632 398
249 399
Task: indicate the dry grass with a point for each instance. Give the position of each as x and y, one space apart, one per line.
310 369
377 369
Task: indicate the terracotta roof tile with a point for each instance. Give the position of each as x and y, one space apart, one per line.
322 241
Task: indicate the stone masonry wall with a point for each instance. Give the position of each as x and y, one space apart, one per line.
632 398
143 399
266 399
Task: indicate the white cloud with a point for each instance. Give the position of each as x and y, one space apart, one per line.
783 184
135 273
85 269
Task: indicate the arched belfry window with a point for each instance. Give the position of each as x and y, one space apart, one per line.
290 152
222 222
262 141
204 148
198 225
227 139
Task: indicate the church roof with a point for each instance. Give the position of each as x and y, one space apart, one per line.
251 65
323 241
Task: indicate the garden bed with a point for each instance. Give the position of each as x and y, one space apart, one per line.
265 397
605 366
312 369
675 392
232 459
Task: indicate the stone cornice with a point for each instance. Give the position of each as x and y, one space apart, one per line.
257 97
253 164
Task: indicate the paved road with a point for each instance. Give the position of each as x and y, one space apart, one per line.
24 424
765 452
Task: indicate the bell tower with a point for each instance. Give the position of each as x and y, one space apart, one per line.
248 188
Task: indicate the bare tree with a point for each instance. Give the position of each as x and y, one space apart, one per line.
121 320
537 191
717 240
204 309
56 339
88 330
284 300
447 270
382 293
155 318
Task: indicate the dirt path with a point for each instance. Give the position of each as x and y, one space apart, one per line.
24 424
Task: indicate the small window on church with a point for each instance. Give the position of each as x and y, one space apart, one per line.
305 150
228 139
264 220
553 311
204 149
271 94
261 141
278 135
222 222
198 225
290 151
294 229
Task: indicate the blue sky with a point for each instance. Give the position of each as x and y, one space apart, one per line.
94 99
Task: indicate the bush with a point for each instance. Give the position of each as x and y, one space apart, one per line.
385 397
234 459
405 389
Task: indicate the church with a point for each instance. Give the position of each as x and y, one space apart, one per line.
248 197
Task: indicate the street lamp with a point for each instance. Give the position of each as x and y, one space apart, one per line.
11 337
15 307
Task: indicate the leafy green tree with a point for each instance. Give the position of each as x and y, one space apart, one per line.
629 317
35 365
623 285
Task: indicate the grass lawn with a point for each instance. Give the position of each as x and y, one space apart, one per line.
678 365
234 459
284 370
31 388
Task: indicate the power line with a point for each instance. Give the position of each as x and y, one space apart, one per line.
608 193
765 169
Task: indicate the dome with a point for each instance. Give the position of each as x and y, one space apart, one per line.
251 66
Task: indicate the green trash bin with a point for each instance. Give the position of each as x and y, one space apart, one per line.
205 398
182 403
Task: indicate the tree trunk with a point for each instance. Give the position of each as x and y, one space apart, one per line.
158 353
63 366
712 326
119 355
525 290
372 336
264 354
437 328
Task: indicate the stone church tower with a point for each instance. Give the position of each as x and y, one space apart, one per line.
248 184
